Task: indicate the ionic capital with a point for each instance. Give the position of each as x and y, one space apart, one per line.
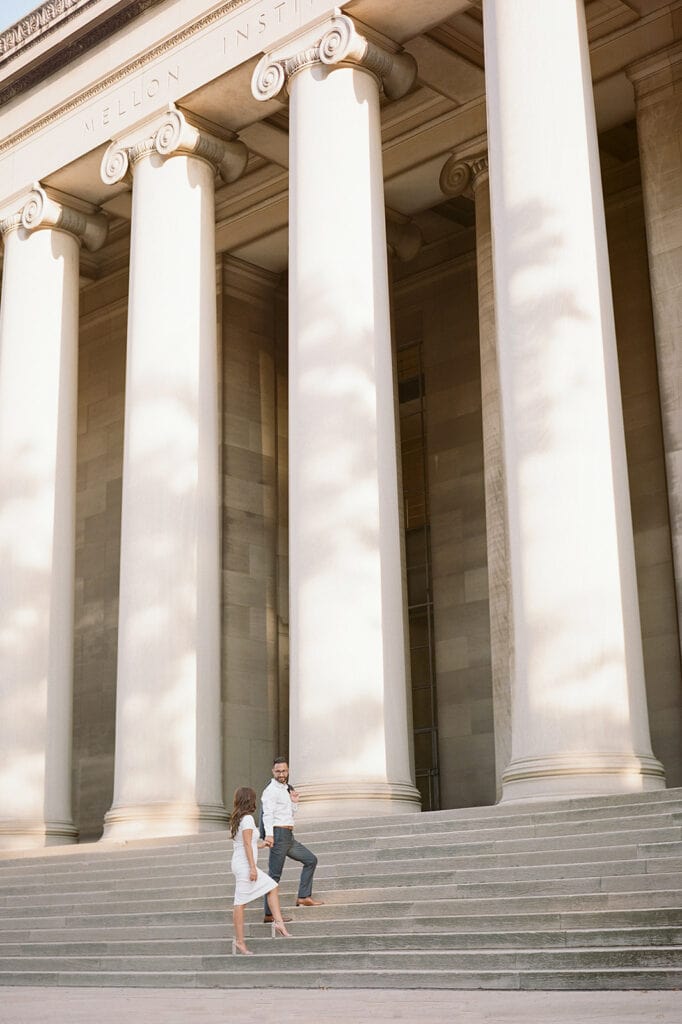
10 223
335 42
41 210
461 176
175 135
479 170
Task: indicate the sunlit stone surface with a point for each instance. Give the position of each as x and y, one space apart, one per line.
282 469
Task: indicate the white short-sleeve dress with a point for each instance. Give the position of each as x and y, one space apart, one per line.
245 890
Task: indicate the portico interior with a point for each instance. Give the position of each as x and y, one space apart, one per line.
458 642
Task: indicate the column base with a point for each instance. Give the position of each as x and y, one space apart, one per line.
355 799
18 834
575 775
154 821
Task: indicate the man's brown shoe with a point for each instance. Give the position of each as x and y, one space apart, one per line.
268 919
308 901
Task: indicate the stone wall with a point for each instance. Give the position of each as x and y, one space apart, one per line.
440 305
282 400
98 529
646 469
254 553
250 655
437 303
434 302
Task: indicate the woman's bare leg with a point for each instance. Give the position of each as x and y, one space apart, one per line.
238 921
273 900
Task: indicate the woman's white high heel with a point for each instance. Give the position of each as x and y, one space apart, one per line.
279 929
240 948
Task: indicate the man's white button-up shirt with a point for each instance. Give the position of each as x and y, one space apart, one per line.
278 807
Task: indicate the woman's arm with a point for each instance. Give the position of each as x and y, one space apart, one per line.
247 835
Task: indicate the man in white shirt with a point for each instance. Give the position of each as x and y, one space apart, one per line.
278 808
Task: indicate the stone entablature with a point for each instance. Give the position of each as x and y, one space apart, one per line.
37 23
161 73
44 42
88 108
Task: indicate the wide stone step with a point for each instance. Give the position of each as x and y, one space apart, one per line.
220 865
445 884
429 870
664 856
459 855
622 806
285 957
419 828
413 835
364 913
382 941
583 893
550 980
418 889
94 859
483 842
515 854
307 924
363 906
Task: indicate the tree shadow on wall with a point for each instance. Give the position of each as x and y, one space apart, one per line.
561 408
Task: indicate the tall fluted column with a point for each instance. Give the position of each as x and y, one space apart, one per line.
471 176
38 405
167 777
579 714
658 91
348 694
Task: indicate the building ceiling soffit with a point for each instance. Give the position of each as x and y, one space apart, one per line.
656 30
646 72
445 71
252 213
462 35
440 66
403 21
245 278
605 16
419 131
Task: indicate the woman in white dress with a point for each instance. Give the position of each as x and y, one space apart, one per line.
250 881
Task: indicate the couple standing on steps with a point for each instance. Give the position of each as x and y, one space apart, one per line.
278 805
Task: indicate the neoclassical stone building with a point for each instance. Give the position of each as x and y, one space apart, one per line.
340 406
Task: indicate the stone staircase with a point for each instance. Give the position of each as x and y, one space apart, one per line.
580 894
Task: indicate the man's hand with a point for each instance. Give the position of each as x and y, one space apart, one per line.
270 841
294 796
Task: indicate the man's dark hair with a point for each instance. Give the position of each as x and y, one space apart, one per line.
279 760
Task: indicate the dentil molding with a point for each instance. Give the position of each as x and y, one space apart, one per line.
175 135
121 74
337 42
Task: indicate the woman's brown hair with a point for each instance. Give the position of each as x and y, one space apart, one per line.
244 803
